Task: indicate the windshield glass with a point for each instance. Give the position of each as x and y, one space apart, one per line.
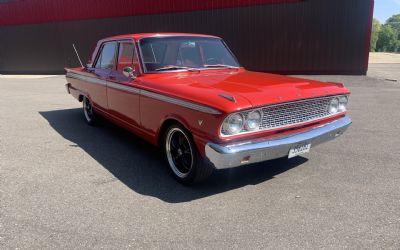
185 53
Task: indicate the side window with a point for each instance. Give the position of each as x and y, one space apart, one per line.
107 57
126 57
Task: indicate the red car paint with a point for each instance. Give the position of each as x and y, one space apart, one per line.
146 116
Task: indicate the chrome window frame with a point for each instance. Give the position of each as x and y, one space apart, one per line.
181 70
101 51
135 51
117 50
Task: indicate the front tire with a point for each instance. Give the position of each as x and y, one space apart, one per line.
186 164
88 112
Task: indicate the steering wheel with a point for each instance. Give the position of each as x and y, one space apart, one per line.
212 60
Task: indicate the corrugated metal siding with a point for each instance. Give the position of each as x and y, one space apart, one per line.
314 36
39 11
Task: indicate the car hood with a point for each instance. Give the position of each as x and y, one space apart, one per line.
232 90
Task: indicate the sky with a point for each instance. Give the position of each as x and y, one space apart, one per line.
385 9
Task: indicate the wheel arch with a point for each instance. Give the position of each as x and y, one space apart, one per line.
82 94
166 123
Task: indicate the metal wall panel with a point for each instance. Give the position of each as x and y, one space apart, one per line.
42 11
314 36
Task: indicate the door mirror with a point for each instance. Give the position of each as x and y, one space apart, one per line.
129 72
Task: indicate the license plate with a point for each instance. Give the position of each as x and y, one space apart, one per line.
299 150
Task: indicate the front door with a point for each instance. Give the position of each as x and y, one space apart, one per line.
122 91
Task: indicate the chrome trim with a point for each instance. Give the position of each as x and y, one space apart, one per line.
117 41
193 70
186 104
229 156
179 102
87 78
262 109
123 87
116 50
227 97
180 35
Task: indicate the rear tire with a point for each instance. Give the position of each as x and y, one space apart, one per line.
185 162
89 114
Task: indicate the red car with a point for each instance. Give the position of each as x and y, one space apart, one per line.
188 94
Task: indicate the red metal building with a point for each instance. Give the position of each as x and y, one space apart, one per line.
283 36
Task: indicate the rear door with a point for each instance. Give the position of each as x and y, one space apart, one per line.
122 91
102 68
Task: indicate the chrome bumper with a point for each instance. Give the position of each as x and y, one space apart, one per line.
234 155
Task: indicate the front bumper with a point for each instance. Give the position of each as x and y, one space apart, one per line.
243 153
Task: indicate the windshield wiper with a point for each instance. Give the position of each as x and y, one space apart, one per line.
220 66
174 68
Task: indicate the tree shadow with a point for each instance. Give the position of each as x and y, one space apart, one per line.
141 167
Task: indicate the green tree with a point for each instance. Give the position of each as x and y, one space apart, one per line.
376 28
387 39
388 36
394 22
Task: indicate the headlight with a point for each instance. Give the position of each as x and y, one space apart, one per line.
242 122
233 124
333 106
343 100
253 120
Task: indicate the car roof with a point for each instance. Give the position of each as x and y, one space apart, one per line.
163 34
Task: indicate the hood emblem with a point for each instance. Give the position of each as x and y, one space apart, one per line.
227 97
200 122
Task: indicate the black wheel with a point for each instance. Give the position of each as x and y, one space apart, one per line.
88 111
185 162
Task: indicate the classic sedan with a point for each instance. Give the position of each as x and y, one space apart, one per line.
188 94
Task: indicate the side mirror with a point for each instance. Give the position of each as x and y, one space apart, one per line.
129 72
89 64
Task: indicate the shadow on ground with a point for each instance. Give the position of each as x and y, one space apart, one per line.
141 167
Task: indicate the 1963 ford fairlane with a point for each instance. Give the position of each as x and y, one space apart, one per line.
188 94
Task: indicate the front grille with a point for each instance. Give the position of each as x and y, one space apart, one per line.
289 114
293 113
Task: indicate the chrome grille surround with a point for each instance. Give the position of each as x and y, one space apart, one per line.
292 113
287 114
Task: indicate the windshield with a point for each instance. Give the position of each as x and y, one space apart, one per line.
185 53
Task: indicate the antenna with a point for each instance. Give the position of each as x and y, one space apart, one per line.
76 52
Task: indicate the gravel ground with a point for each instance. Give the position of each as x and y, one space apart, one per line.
65 185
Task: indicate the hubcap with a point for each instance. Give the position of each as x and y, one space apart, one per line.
87 109
179 152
